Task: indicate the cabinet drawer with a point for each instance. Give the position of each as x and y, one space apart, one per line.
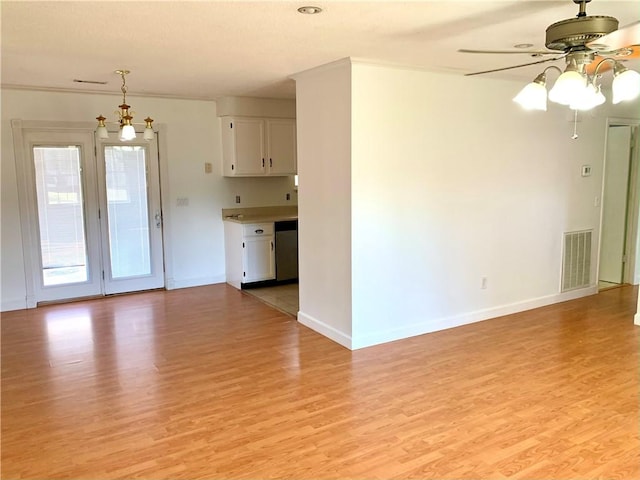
257 229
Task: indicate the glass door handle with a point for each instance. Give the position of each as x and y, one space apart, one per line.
158 218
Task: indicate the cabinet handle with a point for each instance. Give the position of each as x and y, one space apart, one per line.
233 166
270 163
263 163
259 231
272 246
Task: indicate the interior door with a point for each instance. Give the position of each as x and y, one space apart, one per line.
130 215
614 204
62 212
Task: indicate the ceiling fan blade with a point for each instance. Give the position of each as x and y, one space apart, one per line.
624 55
530 52
516 66
621 38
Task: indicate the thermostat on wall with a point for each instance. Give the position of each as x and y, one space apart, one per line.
586 170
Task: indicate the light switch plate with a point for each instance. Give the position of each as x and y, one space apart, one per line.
586 170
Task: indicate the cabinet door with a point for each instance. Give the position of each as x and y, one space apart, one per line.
281 146
259 259
248 156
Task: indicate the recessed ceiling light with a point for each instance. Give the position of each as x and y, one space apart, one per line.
523 45
309 10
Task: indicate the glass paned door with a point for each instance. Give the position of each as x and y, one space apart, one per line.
63 257
63 243
91 213
128 211
132 224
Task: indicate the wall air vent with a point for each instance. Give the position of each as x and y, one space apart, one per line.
576 261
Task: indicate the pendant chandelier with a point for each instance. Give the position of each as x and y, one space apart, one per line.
127 130
576 88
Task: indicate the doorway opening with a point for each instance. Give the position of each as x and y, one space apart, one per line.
619 262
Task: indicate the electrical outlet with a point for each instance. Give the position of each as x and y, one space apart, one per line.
208 167
237 198
483 283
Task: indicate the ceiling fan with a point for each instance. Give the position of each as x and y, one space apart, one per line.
589 45
584 40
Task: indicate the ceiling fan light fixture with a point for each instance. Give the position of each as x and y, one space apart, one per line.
626 83
568 87
534 95
589 98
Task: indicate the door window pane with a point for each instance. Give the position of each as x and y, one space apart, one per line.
128 211
60 215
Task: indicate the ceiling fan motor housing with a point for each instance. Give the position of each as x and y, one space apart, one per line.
576 32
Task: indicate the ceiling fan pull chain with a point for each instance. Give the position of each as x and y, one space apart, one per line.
575 125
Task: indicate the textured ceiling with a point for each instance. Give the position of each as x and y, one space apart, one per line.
208 49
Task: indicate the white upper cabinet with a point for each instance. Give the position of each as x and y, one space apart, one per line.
256 147
281 146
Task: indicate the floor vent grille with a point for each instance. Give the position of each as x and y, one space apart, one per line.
576 262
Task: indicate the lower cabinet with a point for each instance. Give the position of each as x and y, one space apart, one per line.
249 253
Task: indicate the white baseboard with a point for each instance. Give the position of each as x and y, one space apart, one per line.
324 329
374 338
173 283
7 305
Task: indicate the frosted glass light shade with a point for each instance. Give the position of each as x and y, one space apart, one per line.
148 134
590 98
626 86
532 97
128 132
568 88
102 132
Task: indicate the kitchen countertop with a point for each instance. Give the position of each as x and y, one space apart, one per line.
260 214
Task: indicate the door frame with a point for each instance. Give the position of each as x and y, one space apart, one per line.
28 208
633 200
154 208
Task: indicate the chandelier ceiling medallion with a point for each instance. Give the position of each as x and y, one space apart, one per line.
127 130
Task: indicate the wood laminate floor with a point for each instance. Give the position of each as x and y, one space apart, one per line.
210 383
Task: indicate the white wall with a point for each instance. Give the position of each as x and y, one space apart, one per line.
194 233
452 182
324 207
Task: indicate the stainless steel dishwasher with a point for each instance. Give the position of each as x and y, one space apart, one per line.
286 250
